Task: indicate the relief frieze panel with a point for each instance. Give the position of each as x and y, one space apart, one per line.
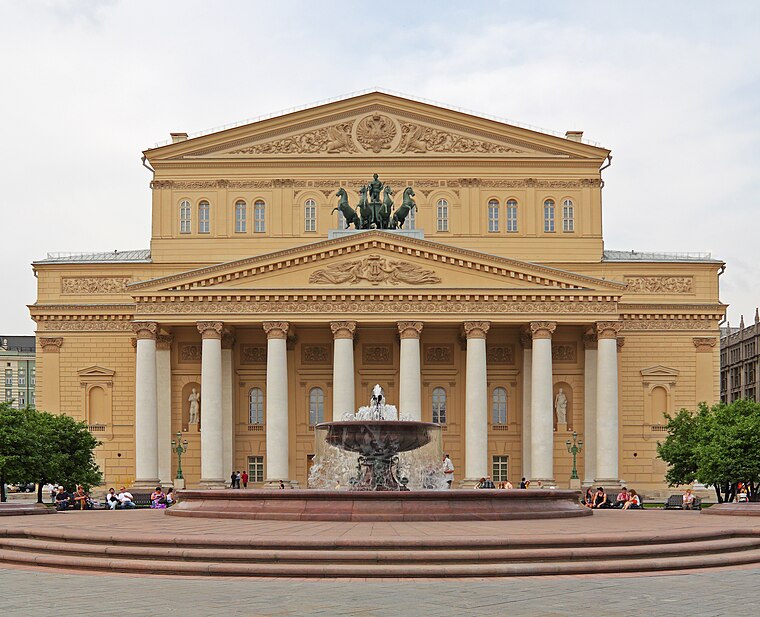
189 352
500 354
253 354
333 139
315 354
439 354
659 284
94 284
377 354
565 353
73 325
374 269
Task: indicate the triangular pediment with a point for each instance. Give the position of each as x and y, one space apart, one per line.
96 371
372 125
658 370
373 261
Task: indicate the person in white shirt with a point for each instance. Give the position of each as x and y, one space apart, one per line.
448 470
125 498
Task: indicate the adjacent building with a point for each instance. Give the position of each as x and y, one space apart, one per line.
740 361
496 311
17 354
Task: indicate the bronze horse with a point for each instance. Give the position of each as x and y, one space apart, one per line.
364 208
386 208
406 207
349 214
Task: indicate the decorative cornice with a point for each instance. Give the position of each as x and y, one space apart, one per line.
145 330
607 329
409 329
476 329
704 344
89 324
276 329
542 329
693 322
50 345
343 329
210 329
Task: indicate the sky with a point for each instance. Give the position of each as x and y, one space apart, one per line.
672 88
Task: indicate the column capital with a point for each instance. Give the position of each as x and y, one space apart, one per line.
228 338
50 345
476 329
704 344
276 329
589 339
607 329
409 329
526 339
145 329
542 329
210 329
164 341
343 329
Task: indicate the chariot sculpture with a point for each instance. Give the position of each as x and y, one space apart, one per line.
372 212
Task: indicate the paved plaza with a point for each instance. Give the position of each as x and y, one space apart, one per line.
703 594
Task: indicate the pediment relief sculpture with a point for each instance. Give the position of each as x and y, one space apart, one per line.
374 269
378 133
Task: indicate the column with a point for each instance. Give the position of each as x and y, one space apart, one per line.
228 420
164 406
526 340
476 403
410 372
541 413
344 396
146 406
607 403
49 375
277 461
589 407
212 446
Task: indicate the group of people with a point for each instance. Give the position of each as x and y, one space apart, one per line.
237 479
625 500
78 500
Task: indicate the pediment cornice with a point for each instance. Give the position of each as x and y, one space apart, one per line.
506 273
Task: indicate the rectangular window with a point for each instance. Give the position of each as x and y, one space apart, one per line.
568 221
549 219
21 399
33 376
500 469
259 220
204 217
511 216
255 469
8 377
240 217
493 216
8 396
21 377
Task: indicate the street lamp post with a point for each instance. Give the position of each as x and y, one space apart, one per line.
574 448
180 447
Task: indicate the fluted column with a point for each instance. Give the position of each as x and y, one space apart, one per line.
344 396
607 403
146 405
277 461
589 407
526 340
164 405
476 403
541 415
410 378
228 422
212 445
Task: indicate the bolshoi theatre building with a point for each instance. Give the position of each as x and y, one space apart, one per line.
488 303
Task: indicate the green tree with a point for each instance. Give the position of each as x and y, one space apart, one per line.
716 446
18 441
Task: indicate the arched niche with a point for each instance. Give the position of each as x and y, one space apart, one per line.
567 391
187 390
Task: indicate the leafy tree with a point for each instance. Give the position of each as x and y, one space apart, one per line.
41 447
716 446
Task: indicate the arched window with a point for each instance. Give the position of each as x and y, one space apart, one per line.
568 223
493 216
240 217
259 217
310 215
184 217
442 215
499 406
549 216
204 217
439 405
511 215
97 406
316 406
411 220
255 406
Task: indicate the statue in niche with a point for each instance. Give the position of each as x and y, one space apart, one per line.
195 407
560 404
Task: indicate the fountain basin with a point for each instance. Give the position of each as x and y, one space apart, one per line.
370 437
378 506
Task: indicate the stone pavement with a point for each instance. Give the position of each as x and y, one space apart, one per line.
705 594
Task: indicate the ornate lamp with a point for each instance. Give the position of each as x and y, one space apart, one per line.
180 447
574 448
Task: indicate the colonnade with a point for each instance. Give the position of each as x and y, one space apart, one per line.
153 400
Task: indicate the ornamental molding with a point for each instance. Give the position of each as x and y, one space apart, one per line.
542 329
704 344
210 329
74 325
409 329
333 139
50 345
343 329
589 339
476 329
164 341
660 284
308 305
374 269
276 329
381 240
190 353
94 284
608 329
145 330
661 323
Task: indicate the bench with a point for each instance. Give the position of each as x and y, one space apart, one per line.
675 502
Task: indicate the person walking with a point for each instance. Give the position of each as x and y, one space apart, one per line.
244 478
233 479
448 470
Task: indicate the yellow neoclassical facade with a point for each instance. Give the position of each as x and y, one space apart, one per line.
495 310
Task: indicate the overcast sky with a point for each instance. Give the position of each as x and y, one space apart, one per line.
673 88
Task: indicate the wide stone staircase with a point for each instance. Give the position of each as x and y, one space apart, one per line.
386 557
